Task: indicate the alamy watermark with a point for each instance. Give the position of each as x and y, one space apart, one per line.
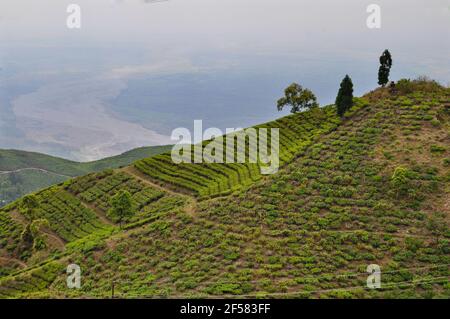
238 145
374 19
73 280
74 19
374 279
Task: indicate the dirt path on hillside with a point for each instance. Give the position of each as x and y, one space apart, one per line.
100 214
14 260
58 241
139 175
34 169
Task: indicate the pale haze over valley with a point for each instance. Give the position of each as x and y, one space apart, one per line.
138 69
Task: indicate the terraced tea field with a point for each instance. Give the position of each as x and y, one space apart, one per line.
372 188
206 180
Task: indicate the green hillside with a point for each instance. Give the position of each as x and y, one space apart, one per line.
24 172
297 132
370 188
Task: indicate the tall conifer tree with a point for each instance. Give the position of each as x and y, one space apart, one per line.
344 99
385 68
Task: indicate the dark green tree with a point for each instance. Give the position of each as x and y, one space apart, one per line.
32 235
36 231
344 98
27 237
122 207
385 68
401 180
298 98
29 205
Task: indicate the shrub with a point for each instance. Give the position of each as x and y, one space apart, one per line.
435 122
401 180
406 86
122 207
437 149
446 161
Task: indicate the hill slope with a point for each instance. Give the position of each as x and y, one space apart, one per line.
373 189
24 172
297 132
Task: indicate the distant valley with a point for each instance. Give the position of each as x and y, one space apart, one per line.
24 172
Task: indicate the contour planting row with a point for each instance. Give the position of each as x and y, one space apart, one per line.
30 281
9 232
98 189
201 179
208 179
67 216
297 131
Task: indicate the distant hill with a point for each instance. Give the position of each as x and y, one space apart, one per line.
371 188
22 172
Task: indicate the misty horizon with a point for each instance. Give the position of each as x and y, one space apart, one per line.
136 70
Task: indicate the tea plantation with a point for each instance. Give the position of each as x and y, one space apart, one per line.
370 188
296 132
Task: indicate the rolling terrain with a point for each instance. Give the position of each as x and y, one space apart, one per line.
24 172
370 188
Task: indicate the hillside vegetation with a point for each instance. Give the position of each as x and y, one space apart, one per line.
370 188
24 172
204 180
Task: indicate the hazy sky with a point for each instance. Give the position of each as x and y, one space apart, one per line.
225 24
138 69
